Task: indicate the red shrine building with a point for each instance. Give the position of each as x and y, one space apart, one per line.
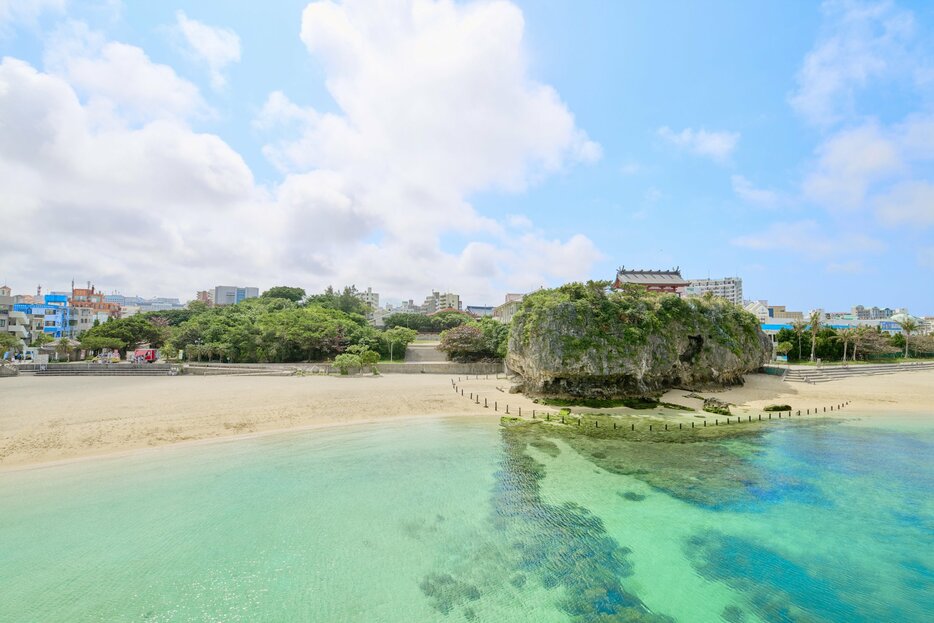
652 280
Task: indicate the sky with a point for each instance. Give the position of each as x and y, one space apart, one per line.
486 147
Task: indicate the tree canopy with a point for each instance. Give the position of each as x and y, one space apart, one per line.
284 292
346 300
436 323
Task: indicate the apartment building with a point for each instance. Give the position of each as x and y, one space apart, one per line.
729 288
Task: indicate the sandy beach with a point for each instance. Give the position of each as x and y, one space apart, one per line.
45 419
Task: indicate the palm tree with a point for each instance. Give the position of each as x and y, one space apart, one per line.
909 325
64 348
815 323
846 336
798 326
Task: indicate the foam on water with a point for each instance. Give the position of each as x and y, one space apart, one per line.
461 520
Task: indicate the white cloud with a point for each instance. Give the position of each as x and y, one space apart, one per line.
810 239
434 103
861 43
519 221
119 80
214 46
908 203
848 163
115 201
716 145
747 191
27 11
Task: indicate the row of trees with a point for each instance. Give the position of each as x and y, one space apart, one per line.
282 325
822 342
436 323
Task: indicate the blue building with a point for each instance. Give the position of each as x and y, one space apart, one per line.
53 317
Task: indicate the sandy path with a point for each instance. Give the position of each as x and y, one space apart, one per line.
46 419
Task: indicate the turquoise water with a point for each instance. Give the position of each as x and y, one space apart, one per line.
461 520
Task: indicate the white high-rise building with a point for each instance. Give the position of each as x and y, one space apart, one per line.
437 301
231 295
729 288
369 297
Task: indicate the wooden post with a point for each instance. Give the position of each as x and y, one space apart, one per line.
495 406
692 424
633 428
596 424
507 409
614 425
650 428
666 427
679 426
520 411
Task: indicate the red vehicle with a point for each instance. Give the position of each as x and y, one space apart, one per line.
148 355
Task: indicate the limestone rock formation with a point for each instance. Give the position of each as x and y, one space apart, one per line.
581 341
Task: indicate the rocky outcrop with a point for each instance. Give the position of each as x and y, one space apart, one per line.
580 341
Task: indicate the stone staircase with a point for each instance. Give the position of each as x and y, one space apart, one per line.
114 369
238 370
424 353
833 373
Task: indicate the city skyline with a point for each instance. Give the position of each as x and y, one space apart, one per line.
169 148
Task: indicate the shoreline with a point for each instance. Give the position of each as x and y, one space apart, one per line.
53 421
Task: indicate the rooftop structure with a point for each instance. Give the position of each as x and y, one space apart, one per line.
653 280
480 310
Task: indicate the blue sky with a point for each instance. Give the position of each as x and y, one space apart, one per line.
163 148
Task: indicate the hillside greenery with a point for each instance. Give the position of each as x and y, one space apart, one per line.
621 321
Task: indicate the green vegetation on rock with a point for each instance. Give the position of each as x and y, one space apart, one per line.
584 341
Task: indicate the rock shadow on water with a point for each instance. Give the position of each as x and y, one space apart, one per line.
563 546
775 588
632 496
445 592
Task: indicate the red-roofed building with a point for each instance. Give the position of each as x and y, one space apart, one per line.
652 280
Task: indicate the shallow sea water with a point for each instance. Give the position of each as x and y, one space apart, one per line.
460 519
